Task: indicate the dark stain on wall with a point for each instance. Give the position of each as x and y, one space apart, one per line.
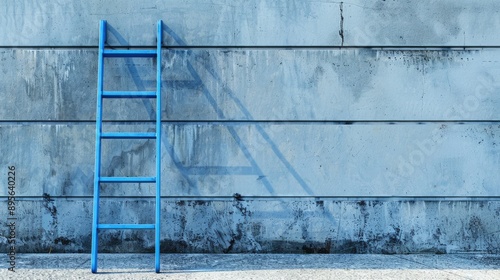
350 247
231 244
317 247
475 226
320 204
63 240
238 204
48 204
199 203
240 227
180 203
175 246
125 241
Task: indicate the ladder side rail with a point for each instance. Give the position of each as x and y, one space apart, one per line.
97 173
159 40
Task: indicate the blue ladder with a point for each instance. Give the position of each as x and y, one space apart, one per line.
98 179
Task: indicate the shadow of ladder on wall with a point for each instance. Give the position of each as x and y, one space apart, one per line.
98 179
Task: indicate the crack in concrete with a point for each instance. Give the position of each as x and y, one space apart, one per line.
432 267
83 264
341 31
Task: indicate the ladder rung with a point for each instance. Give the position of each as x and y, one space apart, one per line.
129 94
125 226
128 135
129 53
127 179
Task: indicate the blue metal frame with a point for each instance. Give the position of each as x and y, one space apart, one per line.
97 172
159 39
129 53
127 135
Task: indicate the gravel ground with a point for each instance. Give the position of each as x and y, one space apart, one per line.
255 266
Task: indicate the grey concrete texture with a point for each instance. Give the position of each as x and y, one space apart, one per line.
256 266
253 23
260 159
283 85
66 23
324 226
296 148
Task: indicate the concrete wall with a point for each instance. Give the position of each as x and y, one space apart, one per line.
346 127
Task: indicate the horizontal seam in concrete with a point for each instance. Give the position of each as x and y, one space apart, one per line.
277 47
273 198
237 122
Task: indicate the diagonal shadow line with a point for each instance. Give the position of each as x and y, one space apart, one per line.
243 109
262 132
231 130
149 108
134 72
220 113
249 116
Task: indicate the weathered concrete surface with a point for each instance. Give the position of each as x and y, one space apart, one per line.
244 23
258 266
287 129
421 23
57 224
356 84
253 23
277 85
262 159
